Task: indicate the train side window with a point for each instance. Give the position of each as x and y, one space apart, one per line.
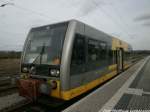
78 55
103 50
97 55
93 50
114 57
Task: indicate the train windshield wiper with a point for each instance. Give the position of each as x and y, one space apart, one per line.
40 55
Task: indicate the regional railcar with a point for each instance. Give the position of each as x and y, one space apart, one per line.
67 59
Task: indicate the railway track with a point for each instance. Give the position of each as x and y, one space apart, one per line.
30 107
9 101
41 107
7 90
12 102
7 85
26 106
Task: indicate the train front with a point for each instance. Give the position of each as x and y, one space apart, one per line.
40 63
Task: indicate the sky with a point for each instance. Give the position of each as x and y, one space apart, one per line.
128 20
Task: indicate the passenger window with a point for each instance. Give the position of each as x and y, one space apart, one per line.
93 50
103 50
111 57
97 55
78 55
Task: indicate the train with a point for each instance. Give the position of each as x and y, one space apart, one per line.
67 59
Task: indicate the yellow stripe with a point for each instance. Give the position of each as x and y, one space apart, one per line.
67 95
55 92
79 90
112 67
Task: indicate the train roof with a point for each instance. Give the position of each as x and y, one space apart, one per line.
116 41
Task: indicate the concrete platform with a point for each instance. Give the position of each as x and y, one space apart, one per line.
128 91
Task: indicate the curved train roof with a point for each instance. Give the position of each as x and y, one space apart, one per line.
115 42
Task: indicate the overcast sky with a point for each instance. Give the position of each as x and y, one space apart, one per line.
128 20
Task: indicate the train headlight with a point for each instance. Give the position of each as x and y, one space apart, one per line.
33 70
25 69
54 72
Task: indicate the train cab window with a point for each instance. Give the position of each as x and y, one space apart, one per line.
78 55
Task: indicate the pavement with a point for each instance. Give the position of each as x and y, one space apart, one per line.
128 91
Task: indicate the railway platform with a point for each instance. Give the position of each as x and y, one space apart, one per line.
129 91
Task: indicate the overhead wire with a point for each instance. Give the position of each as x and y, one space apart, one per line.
110 17
32 11
122 20
104 12
29 10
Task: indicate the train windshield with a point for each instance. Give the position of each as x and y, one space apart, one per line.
44 45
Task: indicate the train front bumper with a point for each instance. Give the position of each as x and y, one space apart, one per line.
33 88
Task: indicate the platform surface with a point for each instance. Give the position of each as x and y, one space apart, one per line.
128 91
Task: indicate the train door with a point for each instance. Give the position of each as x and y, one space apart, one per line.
119 56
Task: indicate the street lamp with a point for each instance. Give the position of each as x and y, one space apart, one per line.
3 5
